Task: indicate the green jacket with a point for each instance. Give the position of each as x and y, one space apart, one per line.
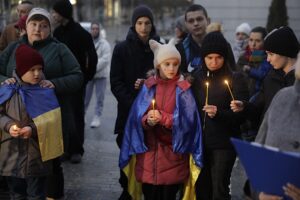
61 68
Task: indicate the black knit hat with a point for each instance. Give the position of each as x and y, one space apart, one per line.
141 11
282 41
214 42
64 8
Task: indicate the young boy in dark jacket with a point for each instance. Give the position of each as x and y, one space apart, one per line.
30 122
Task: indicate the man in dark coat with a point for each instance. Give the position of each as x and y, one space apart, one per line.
81 44
131 60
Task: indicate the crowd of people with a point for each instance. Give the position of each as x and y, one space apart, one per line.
179 102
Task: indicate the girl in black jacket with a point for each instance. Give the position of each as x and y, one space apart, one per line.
219 121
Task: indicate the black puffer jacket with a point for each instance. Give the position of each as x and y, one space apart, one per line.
131 60
218 130
273 82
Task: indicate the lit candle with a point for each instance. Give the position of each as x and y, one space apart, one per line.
15 127
153 106
206 98
226 82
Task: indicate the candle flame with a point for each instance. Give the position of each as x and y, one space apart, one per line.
226 82
14 127
207 84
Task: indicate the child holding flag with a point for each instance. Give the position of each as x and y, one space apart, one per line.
30 122
162 144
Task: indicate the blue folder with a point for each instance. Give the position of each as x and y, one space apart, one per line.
268 169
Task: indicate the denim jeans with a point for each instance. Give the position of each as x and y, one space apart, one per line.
100 86
32 188
214 179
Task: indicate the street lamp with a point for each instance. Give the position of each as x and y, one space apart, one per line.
73 2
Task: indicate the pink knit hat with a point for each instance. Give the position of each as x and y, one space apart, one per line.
163 52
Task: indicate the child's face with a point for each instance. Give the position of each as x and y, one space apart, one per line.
34 75
168 69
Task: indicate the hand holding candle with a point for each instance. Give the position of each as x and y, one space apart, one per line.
226 82
154 115
15 127
14 131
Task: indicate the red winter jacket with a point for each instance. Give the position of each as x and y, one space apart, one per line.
160 165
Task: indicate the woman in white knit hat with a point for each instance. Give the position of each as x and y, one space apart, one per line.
242 33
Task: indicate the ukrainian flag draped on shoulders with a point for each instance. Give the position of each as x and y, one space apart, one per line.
42 106
186 137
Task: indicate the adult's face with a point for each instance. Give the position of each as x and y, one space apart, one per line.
143 27
241 36
37 30
57 18
95 30
256 41
23 9
196 23
276 60
214 61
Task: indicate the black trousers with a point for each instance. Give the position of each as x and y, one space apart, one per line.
214 179
32 188
160 192
76 138
55 181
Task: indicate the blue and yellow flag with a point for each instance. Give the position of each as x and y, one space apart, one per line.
42 106
186 138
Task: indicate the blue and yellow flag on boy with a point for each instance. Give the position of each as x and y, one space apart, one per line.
42 106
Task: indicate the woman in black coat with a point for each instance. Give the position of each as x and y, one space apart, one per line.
219 121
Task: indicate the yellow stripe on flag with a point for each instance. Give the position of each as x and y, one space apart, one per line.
134 187
49 130
189 186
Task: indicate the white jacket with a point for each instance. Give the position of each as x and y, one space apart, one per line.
104 56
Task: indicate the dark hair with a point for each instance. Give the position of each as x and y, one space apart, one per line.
26 2
38 17
260 29
95 22
195 7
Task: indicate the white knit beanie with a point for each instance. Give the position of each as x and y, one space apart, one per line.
297 70
243 28
163 52
39 11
